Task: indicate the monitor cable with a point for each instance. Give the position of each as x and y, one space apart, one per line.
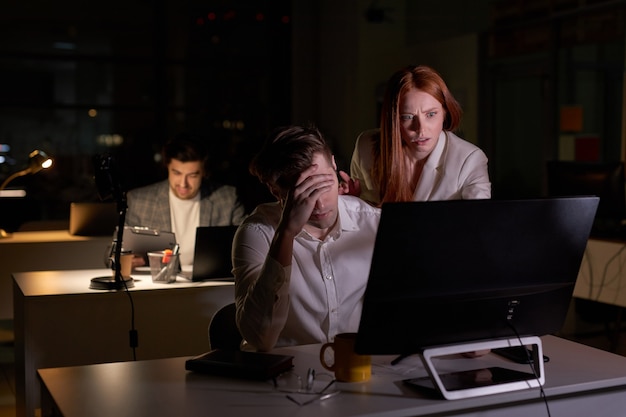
542 393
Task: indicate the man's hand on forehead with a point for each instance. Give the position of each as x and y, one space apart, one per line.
307 173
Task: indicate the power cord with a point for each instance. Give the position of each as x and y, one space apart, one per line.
133 336
603 281
132 333
531 362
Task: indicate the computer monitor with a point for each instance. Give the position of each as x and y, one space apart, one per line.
449 277
454 272
603 179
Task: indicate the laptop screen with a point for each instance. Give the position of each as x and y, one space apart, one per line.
92 218
212 253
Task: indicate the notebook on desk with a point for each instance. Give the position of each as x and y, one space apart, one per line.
212 253
240 364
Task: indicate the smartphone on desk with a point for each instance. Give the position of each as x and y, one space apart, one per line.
518 354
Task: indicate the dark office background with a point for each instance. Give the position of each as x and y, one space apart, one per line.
120 77
79 79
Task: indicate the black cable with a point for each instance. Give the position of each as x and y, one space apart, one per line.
542 393
399 358
108 181
133 335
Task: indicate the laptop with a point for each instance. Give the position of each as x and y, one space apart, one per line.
212 253
93 218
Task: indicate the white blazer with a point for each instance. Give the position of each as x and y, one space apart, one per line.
455 170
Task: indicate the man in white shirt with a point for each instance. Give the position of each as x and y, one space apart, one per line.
301 264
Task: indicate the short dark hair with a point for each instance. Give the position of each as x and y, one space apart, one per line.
186 148
286 153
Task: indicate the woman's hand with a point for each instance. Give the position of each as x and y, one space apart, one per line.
349 186
476 353
138 261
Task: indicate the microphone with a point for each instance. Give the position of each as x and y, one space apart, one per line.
107 178
109 185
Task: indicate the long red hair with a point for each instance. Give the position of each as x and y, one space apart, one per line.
388 154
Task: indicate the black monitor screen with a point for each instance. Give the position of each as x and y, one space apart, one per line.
602 179
449 272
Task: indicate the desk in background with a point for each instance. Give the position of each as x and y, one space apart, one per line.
602 275
580 381
42 251
59 321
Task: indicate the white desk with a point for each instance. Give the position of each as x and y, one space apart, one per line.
42 251
581 381
59 321
602 275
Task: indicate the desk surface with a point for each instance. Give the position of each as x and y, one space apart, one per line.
59 321
44 283
41 236
577 377
43 251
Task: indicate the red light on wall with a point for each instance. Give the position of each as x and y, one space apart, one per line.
230 15
199 21
285 19
260 17
211 16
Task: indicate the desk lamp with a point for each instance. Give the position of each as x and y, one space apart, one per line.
37 160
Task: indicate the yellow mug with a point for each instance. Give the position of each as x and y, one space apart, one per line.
348 366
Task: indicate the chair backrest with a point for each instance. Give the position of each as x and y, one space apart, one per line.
223 331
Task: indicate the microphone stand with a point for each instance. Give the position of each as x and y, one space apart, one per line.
117 282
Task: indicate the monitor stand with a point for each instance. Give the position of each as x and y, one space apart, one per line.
485 381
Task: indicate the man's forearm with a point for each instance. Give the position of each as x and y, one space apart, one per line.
263 306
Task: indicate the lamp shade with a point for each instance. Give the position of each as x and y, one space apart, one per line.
37 160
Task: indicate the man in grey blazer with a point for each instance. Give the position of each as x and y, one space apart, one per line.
186 199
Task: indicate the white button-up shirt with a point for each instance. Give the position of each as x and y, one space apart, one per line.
320 294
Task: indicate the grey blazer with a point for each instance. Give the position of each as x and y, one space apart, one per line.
149 206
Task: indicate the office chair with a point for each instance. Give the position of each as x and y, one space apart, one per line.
223 331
